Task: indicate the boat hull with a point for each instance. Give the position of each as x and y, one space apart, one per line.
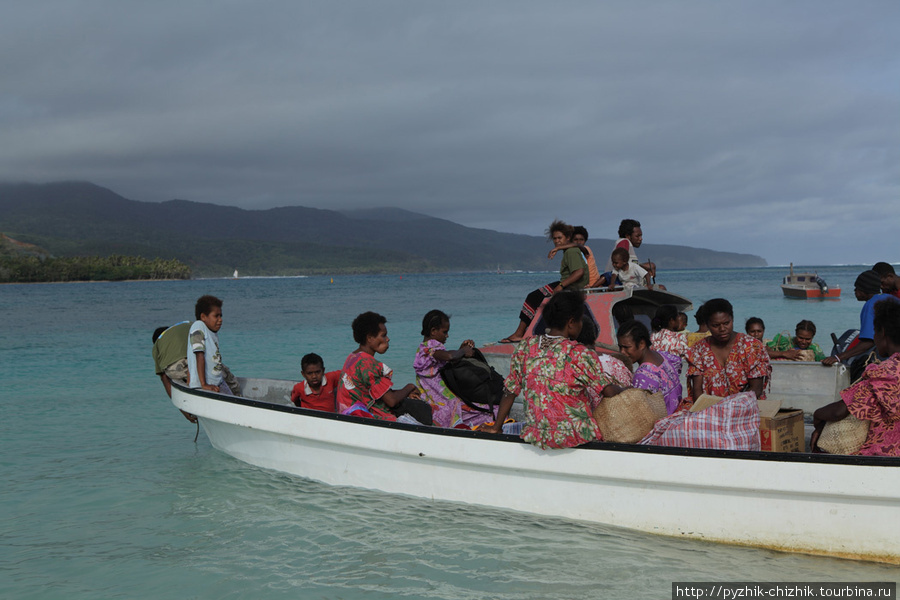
840 506
810 293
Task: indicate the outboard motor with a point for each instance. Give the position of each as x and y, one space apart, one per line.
822 285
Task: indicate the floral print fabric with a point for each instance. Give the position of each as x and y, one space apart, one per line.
447 409
364 380
747 360
561 382
876 398
669 341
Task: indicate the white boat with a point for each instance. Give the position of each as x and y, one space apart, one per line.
818 504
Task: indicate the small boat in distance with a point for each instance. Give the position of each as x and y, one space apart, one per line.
235 276
808 286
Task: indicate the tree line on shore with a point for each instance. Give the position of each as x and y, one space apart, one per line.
34 269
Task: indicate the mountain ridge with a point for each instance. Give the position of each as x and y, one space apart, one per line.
72 218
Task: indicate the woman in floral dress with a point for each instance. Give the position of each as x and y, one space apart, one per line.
876 396
447 408
560 380
726 362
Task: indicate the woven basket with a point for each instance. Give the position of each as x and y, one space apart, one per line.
806 355
843 437
629 416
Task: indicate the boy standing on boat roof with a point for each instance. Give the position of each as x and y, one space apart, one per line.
867 289
203 356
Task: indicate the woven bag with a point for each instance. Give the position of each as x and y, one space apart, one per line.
807 355
843 437
629 416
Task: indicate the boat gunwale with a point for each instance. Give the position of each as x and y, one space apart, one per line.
784 457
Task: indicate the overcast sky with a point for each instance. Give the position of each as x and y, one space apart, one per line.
770 128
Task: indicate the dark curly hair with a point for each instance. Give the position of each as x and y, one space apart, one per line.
718 305
636 330
365 325
433 320
557 225
562 307
627 226
205 305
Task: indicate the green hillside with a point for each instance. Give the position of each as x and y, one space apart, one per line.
76 218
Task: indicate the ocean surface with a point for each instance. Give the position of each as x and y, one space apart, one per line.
106 495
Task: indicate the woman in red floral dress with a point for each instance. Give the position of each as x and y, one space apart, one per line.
726 362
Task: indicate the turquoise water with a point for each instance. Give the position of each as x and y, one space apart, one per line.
105 494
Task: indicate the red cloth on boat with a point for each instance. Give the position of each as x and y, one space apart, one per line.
730 424
876 399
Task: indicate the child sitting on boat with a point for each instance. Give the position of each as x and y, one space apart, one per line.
366 388
319 390
630 274
448 409
204 359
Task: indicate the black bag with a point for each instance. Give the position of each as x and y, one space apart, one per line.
474 381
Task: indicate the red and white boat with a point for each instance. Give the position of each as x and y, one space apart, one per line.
808 286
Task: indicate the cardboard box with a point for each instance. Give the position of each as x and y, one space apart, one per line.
780 429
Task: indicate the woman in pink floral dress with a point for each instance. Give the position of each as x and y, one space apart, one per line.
876 396
560 380
726 362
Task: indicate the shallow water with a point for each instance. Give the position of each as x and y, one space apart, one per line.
106 495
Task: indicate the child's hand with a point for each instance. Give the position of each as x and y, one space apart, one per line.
552 253
415 394
469 343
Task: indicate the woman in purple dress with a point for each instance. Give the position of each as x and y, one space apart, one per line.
447 408
657 371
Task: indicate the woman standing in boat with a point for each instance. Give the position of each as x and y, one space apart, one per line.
658 371
560 380
876 396
573 275
726 362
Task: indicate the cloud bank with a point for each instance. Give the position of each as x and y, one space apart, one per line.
762 127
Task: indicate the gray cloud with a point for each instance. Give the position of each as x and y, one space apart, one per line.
761 127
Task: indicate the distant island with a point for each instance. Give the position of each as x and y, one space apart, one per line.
26 263
70 220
